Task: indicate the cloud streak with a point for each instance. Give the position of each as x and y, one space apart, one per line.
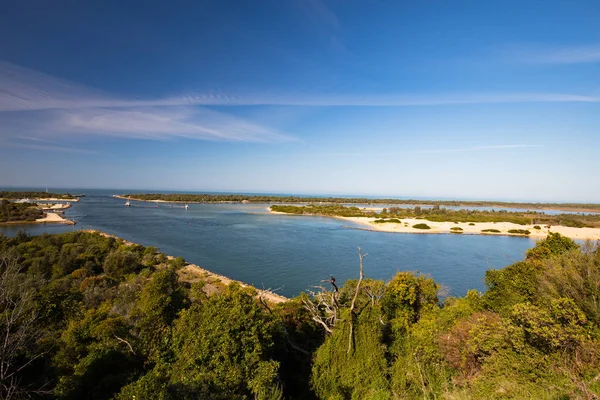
43 106
479 148
26 90
562 55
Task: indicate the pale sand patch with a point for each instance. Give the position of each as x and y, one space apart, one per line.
503 227
54 218
76 199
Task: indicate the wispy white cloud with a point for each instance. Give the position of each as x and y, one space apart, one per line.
22 89
561 55
42 106
163 122
39 105
479 148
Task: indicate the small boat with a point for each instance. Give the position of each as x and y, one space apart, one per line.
127 204
186 206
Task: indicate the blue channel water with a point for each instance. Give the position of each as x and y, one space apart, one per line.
247 243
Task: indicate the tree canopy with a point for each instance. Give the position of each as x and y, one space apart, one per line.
83 315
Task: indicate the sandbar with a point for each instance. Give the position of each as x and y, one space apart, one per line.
467 228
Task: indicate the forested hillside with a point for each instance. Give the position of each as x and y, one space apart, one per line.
84 316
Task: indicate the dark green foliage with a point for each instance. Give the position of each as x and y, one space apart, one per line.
13 212
391 220
471 224
96 318
362 374
519 231
229 353
456 228
34 195
421 226
331 210
490 230
537 227
554 245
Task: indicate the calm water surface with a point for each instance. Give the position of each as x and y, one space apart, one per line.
247 243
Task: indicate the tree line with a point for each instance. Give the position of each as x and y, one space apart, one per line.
33 195
88 316
238 198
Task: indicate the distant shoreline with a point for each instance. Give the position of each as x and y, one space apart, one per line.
466 228
241 199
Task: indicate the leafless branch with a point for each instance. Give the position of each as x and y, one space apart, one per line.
361 257
126 342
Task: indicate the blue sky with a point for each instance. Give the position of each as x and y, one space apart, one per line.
461 99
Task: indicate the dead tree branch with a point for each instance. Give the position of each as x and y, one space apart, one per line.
127 343
361 257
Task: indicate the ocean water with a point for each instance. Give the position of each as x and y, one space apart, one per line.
288 253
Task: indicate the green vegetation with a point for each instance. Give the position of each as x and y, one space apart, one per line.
490 230
34 195
391 220
437 214
19 212
89 316
537 227
471 224
421 226
519 231
236 198
456 228
326 210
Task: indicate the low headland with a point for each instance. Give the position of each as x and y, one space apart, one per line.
37 196
32 213
192 273
440 220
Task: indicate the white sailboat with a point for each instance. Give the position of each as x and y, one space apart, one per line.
127 203
186 206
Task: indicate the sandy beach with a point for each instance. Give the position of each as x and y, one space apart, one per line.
473 228
446 227
54 218
73 200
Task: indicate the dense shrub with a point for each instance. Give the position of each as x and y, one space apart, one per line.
137 330
519 231
490 231
391 220
421 226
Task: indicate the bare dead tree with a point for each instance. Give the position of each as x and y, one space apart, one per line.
361 257
323 307
17 329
